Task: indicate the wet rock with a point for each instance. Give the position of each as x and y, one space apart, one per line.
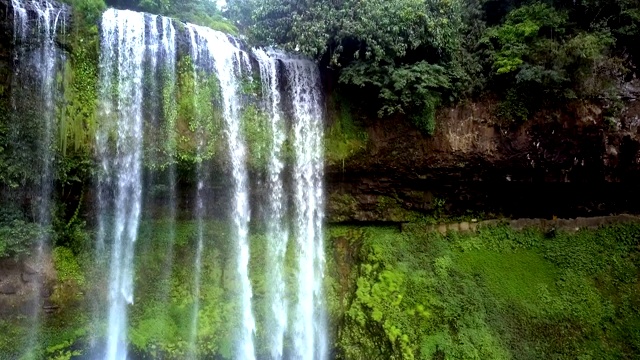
49 307
8 289
29 278
28 269
562 163
46 292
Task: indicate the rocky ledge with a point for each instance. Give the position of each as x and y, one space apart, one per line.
564 163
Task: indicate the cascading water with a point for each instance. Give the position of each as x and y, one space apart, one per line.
124 44
229 65
34 82
309 329
229 62
160 120
277 230
195 53
298 81
168 71
137 93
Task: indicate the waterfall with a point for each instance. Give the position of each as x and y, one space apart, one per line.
138 120
34 98
195 53
229 63
277 230
160 123
309 329
302 88
170 115
123 44
119 140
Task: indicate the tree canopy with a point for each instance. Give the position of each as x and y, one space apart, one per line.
415 54
410 56
200 12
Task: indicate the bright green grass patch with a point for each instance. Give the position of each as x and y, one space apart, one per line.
520 278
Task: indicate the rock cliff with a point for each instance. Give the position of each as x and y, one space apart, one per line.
565 163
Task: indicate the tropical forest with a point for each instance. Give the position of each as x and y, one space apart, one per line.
319 179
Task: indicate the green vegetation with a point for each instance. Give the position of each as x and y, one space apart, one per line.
411 56
199 12
192 120
256 127
17 233
495 294
67 267
17 237
344 138
79 78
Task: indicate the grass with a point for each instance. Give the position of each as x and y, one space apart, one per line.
515 278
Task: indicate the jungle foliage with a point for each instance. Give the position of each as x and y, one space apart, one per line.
413 55
492 294
199 12
495 294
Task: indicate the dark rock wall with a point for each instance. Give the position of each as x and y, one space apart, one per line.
569 163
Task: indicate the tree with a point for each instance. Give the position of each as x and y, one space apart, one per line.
397 49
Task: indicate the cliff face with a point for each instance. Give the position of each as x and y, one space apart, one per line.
568 163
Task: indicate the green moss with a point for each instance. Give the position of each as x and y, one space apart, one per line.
162 317
345 137
496 294
198 123
345 207
519 278
67 267
391 209
341 206
79 80
493 294
13 335
88 12
62 351
258 136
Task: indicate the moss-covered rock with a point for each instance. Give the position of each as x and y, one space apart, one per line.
343 207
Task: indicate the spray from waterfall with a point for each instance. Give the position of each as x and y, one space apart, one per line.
223 56
121 66
309 324
275 218
34 97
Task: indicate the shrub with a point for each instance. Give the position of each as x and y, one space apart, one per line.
18 237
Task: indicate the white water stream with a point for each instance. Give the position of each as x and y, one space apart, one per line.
135 45
37 25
